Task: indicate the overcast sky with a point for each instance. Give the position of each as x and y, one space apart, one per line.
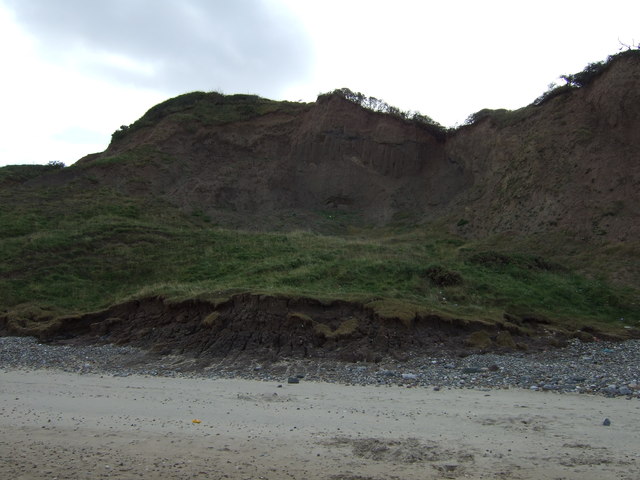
73 71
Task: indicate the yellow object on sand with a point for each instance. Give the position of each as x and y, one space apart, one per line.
195 420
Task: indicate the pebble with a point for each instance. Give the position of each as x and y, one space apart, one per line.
471 370
605 368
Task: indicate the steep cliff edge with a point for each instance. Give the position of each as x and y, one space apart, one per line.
294 162
570 164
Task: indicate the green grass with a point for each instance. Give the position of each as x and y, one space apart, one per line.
195 109
77 246
16 174
69 250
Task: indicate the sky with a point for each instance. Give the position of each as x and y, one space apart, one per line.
74 71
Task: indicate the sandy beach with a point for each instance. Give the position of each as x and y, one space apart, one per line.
66 426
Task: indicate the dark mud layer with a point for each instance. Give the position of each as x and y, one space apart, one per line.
273 327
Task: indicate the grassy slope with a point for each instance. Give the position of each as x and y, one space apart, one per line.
197 109
67 249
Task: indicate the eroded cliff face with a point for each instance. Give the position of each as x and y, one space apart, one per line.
289 166
274 326
571 164
348 159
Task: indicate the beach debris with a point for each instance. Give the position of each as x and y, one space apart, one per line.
579 368
472 370
195 420
606 422
293 380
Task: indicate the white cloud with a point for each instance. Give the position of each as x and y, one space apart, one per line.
186 45
99 65
78 66
450 59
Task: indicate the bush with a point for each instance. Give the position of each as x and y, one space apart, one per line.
496 260
443 278
56 164
376 105
586 76
120 133
500 117
554 91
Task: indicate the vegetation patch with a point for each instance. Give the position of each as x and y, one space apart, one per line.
479 339
347 328
18 174
505 340
380 106
299 318
28 319
503 118
211 320
67 250
493 259
443 278
390 308
586 76
500 117
206 108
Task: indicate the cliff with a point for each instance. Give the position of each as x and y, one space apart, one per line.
569 164
572 163
524 222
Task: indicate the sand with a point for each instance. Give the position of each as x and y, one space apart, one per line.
65 426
